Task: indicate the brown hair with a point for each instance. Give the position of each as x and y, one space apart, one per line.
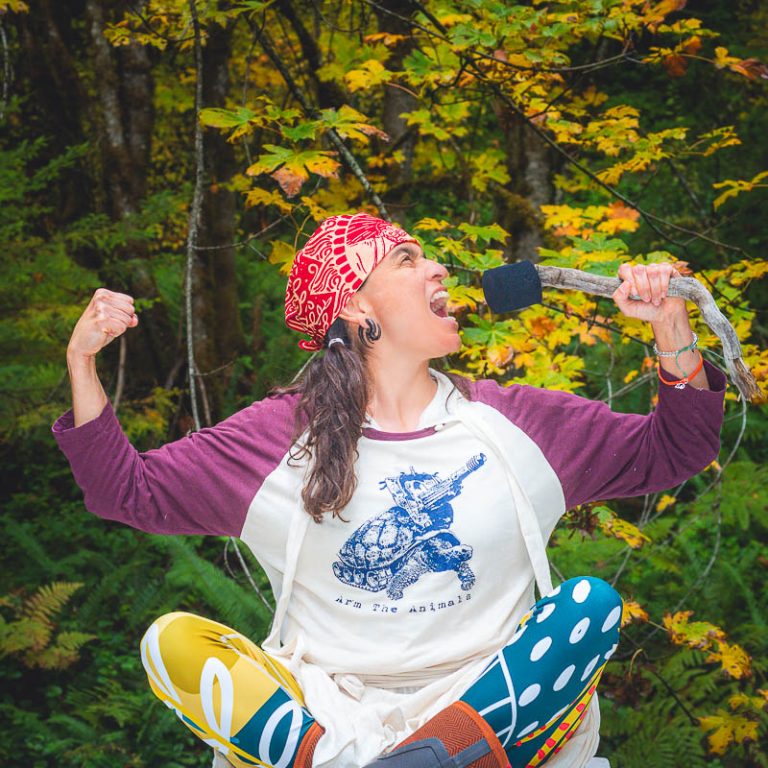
334 393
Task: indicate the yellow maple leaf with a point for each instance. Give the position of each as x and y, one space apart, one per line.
735 661
631 611
465 297
367 75
316 211
621 529
282 255
734 187
260 196
727 729
432 225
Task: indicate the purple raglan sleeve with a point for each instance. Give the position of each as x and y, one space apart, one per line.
598 454
201 484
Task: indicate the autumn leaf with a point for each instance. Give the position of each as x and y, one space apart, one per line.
432 225
316 211
484 233
282 255
289 181
622 529
367 75
632 611
349 123
465 297
696 634
727 729
619 218
291 168
735 661
675 65
260 196
751 68
390 39
657 13
713 141
736 187
665 502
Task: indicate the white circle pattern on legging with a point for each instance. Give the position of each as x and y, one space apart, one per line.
579 594
541 648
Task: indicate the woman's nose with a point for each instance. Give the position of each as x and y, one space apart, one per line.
437 271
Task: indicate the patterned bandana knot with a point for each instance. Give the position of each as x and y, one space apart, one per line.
331 267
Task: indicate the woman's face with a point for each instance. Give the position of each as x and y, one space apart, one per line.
406 297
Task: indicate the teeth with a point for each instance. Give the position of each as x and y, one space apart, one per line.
438 297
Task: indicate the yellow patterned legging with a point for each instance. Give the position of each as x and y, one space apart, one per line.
226 690
533 693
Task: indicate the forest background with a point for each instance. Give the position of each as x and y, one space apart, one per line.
181 150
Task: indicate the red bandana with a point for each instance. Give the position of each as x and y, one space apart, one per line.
332 266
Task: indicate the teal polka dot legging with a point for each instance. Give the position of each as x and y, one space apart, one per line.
536 689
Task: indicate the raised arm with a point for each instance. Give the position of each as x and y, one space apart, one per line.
107 316
598 454
203 483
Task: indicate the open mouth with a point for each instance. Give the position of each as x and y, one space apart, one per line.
439 303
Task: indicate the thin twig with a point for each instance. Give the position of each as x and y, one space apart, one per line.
194 216
6 71
233 542
120 386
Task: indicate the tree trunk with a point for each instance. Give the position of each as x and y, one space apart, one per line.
219 335
517 204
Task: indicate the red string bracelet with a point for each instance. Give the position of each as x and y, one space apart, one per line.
680 383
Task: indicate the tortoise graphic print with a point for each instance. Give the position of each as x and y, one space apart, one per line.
394 549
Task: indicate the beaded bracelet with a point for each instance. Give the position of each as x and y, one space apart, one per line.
680 383
676 353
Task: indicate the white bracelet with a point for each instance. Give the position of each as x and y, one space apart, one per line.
690 347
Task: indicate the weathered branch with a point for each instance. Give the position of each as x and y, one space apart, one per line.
684 287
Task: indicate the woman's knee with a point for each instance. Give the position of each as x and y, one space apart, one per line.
169 649
596 601
590 590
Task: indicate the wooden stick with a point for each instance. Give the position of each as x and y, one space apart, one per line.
684 287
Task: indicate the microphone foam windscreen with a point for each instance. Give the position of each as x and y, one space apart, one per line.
513 286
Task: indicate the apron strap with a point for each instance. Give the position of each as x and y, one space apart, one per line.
526 515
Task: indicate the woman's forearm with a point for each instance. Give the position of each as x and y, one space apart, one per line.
672 336
88 396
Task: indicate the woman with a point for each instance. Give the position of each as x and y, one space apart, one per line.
406 614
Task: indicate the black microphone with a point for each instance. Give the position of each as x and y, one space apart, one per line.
513 286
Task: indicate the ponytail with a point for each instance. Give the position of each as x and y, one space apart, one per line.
331 412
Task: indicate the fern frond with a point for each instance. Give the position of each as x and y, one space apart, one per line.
49 600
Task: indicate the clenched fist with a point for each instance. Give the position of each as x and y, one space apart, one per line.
106 317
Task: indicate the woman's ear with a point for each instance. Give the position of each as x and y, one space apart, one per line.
355 311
